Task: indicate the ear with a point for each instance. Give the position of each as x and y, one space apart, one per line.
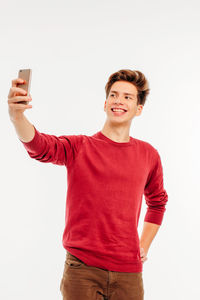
105 105
139 110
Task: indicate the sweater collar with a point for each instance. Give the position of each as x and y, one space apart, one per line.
101 136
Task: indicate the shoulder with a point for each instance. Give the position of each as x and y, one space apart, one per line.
72 140
147 146
78 139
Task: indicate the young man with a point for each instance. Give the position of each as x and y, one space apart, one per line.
108 173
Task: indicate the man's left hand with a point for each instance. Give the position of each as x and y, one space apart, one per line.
143 255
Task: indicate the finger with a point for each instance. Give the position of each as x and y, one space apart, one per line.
20 106
17 81
18 99
143 260
16 90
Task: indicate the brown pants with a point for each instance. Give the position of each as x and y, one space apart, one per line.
83 282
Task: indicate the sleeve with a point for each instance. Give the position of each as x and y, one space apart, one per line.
156 196
59 150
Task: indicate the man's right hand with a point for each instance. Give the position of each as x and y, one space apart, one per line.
16 95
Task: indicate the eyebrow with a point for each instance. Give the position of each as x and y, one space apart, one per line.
123 93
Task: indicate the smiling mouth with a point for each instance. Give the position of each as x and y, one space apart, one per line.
118 112
120 109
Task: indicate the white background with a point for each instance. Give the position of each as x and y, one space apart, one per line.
72 47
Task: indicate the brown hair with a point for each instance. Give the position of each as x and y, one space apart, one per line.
137 78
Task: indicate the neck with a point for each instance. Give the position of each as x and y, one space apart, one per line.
118 133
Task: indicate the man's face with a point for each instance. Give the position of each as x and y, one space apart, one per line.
122 95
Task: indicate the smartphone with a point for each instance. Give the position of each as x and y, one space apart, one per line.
25 74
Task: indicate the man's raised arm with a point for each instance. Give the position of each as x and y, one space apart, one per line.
60 150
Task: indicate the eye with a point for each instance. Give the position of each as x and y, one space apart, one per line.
128 97
112 95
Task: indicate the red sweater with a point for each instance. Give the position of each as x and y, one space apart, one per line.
106 181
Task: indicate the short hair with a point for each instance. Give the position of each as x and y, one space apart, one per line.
135 77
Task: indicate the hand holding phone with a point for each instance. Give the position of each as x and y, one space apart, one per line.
25 74
19 97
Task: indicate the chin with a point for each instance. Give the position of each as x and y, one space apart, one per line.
119 121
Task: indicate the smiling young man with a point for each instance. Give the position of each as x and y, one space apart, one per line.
107 175
121 107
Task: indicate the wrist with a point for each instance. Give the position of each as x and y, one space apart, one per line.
144 246
16 119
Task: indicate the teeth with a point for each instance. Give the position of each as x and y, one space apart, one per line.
117 109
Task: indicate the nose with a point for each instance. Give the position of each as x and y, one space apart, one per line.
117 101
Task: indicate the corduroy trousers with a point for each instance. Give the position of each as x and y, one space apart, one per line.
83 282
